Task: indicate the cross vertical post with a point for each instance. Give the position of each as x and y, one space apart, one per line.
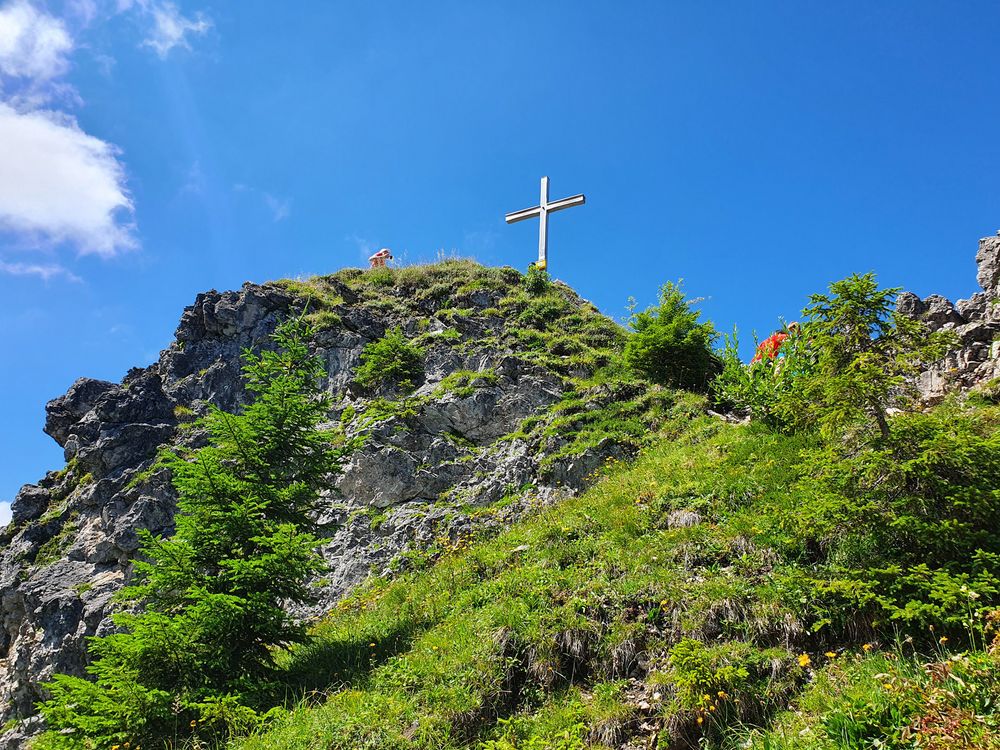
542 211
543 225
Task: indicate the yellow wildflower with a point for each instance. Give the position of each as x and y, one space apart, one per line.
831 654
866 648
722 694
804 660
194 723
943 640
700 720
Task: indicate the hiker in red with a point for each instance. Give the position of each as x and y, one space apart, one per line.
769 347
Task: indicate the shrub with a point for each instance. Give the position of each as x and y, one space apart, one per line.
536 280
762 388
917 514
669 346
392 360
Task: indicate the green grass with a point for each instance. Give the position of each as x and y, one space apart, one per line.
893 699
690 598
674 568
463 383
526 624
52 550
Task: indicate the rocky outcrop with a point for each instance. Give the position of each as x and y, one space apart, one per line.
975 322
428 468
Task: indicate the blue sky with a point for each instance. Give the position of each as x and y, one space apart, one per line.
150 150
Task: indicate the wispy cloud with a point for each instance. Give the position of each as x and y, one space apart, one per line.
365 246
44 271
281 208
34 46
194 182
171 29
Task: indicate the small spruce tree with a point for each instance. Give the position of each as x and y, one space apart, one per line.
209 607
669 346
865 355
390 361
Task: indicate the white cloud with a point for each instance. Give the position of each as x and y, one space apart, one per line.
33 44
171 29
44 271
59 184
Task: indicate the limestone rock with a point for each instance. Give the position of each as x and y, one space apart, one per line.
975 323
988 265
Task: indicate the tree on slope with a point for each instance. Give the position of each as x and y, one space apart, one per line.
865 354
668 344
208 607
849 365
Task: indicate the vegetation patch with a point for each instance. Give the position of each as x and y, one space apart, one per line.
390 361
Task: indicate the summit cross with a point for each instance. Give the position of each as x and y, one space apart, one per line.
542 211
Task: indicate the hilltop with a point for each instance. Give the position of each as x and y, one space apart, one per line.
503 413
536 546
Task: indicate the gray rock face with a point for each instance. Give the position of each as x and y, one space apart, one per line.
420 471
988 266
974 321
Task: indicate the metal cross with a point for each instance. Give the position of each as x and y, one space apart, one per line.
542 211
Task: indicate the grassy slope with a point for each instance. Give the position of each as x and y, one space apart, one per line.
661 603
552 328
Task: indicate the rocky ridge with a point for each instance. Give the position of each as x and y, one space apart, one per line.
975 322
468 450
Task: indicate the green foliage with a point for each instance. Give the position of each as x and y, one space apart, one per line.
699 675
208 607
764 388
392 360
669 346
184 413
463 383
914 518
56 546
843 371
896 702
536 280
864 353
725 574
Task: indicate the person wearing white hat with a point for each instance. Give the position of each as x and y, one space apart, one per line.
379 259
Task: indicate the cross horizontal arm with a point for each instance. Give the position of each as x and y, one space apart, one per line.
559 205
524 213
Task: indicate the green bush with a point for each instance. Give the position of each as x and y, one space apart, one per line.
762 389
916 516
669 346
392 360
536 280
